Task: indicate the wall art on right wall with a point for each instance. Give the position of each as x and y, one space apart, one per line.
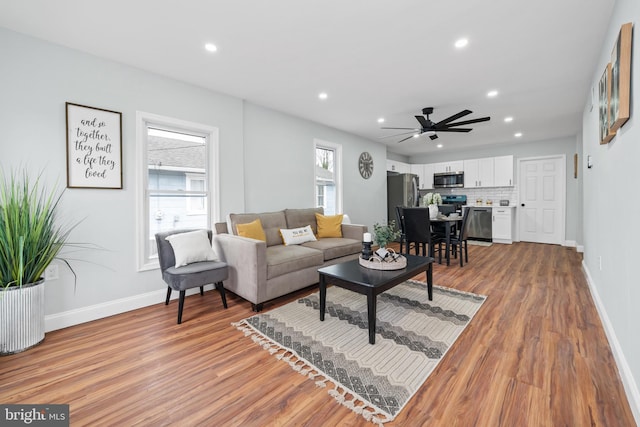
620 79
604 92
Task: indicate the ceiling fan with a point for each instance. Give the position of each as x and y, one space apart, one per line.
430 128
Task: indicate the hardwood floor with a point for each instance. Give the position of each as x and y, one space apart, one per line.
534 355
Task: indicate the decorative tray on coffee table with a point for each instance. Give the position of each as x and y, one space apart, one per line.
385 259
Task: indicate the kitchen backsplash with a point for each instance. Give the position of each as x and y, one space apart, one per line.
495 194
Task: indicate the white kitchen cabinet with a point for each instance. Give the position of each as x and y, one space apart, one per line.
503 171
429 170
502 224
479 173
453 166
396 166
418 169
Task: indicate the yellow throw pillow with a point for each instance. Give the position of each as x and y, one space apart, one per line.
252 230
329 226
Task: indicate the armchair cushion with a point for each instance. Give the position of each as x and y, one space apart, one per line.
190 247
196 274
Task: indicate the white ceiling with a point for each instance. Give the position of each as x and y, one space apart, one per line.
374 58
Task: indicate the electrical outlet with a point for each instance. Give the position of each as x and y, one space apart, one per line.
51 273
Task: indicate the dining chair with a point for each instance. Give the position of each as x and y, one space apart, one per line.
400 222
201 267
417 227
458 242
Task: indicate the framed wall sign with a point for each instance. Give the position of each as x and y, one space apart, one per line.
94 147
604 91
620 79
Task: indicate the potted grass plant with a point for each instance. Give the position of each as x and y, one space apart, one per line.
30 238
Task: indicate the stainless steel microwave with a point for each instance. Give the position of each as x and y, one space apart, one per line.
448 179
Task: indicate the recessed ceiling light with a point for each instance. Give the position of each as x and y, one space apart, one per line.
439 145
508 119
381 120
323 95
460 43
517 134
211 47
492 93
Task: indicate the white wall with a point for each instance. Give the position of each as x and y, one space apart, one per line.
612 182
279 172
256 168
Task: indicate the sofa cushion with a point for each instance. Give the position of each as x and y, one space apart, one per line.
252 230
334 247
296 236
297 218
329 226
272 222
283 259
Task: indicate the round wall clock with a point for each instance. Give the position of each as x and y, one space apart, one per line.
365 164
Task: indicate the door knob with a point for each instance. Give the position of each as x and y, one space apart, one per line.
522 204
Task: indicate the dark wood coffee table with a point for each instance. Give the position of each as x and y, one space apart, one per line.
351 275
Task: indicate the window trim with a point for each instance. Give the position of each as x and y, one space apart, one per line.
319 143
190 177
210 133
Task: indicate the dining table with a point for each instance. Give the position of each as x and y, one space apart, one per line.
448 221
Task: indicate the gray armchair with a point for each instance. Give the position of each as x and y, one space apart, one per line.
196 274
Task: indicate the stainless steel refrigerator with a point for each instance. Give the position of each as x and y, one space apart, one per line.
402 190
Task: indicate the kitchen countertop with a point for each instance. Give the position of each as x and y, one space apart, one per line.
484 205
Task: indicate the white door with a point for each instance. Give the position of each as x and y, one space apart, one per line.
542 200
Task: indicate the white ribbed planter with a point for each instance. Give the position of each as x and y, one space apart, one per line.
21 317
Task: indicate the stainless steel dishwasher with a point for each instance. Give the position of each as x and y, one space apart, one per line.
479 224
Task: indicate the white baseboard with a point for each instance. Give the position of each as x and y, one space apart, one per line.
629 383
99 311
573 244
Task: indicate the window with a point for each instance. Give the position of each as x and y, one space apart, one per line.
177 183
328 186
196 183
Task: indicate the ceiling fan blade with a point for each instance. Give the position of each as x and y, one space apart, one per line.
454 117
402 140
455 130
413 129
397 134
423 122
468 122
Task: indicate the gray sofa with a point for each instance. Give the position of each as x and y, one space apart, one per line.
261 271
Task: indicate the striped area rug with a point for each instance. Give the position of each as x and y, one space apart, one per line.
412 335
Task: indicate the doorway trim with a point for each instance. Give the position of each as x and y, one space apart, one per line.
563 193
